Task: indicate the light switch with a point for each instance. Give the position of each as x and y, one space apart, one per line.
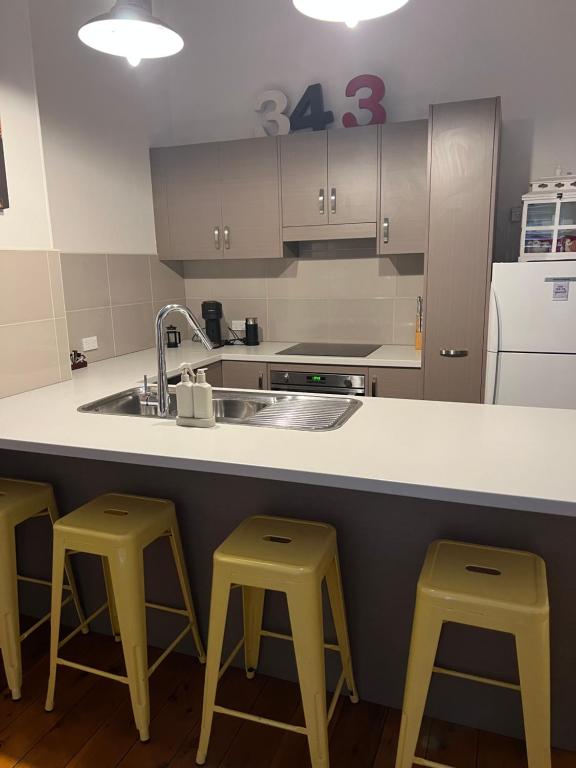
90 343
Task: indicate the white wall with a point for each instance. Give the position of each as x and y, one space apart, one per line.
95 137
25 225
430 51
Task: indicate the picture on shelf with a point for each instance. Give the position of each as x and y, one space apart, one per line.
4 202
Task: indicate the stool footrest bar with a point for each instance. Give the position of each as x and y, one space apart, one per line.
168 650
262 720
231 658
80 627
281 636
429 763
92 670
476 678
336 696
42 621
167 608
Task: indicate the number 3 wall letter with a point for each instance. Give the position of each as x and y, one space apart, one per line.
279 103
372 102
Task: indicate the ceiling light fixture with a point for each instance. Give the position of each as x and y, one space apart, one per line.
350 12
130 30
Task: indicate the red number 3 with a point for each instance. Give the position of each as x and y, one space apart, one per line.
372 102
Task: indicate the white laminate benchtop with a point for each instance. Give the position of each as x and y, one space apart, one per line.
499 456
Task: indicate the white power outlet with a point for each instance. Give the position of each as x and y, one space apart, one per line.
90 343
238 325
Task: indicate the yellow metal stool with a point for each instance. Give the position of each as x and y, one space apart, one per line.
118 528
499 589
291 556
19 501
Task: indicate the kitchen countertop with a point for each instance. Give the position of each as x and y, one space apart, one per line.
499 456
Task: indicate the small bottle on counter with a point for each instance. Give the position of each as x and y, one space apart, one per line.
202 410
202 394
184 396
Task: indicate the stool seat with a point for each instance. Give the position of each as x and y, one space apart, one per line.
117 516
470 574
298 548
20 500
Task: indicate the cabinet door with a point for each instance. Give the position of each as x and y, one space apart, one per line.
304 159
158 168
406 383
463 172
403 187
214 374
352 175
244 375
193 201
250 199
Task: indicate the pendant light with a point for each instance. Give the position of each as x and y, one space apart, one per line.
130 30
350 12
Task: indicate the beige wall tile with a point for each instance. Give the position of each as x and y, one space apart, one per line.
132 327
31 342
354 320
167 278
92 322
175 319
410 274
404 321
129 276
56 284
225 279
237 309
24 287
63 348
85 277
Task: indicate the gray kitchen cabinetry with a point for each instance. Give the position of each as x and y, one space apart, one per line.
403 187
218 200
406 383
329 182
462 184
214 374
241 374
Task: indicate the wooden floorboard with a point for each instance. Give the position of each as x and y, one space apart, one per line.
92 725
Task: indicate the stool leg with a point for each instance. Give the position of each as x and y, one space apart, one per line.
305 608
423 646
112 610
58 560
53 512
9 612
218 613
253 607
127 576
533 649
336 595
180 562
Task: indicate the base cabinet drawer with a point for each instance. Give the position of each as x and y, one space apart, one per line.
214 374
406 383
244 375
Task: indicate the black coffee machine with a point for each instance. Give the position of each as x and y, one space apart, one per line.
212 314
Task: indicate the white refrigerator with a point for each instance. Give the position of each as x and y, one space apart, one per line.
531 357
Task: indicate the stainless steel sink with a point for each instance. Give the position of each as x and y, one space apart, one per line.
258 409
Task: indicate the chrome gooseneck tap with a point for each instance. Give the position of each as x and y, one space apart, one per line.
162 382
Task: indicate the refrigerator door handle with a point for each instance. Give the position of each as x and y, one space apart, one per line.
493 353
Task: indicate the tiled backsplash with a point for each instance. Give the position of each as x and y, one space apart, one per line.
335 291
33 334
116 297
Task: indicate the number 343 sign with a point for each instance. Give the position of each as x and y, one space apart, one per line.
310 112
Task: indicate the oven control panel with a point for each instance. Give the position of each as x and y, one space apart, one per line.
331 383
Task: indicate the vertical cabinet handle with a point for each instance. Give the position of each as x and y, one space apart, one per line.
260 380
374 387
333 200
227 238
321 202
386 231
217 238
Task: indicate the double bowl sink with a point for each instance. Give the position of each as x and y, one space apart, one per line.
315 413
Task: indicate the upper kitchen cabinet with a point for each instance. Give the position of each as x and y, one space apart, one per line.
329 184
403 187
218 200
463 170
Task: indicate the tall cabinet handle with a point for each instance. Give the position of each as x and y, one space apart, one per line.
333 200
321 202
454 352
217 238
260 380
386 231
374 387
227 238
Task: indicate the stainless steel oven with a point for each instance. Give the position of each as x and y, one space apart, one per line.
328 383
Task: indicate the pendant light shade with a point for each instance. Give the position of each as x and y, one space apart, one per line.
350 12
130 30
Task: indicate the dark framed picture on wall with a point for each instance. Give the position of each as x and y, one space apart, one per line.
4 202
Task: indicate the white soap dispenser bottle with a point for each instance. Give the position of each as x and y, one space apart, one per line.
184 392
203 401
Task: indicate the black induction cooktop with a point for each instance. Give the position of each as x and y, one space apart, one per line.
331 350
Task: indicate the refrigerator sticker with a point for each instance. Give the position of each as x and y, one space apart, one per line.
560 290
